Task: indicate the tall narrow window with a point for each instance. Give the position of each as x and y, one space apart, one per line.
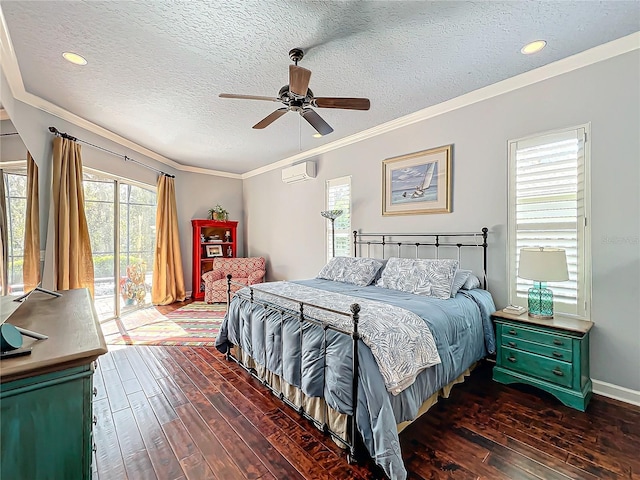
548 207
16 202
339 198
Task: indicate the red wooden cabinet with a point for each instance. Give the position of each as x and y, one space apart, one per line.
211 239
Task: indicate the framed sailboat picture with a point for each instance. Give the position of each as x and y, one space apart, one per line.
417 183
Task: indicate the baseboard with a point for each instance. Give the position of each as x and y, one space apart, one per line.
616 392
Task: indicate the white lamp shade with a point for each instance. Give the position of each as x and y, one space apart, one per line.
543 264
332 214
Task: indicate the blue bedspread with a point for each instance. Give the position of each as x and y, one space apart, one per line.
461 327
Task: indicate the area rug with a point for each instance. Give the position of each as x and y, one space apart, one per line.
194 325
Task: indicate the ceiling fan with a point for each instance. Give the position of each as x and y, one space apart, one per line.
298 97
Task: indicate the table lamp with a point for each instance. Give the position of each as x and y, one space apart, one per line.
332 215
542 265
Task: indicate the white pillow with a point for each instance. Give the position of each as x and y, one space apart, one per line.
355 270
458 280
420 276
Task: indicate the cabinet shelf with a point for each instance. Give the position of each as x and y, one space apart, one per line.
201 263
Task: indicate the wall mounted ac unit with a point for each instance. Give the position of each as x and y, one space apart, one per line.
299 173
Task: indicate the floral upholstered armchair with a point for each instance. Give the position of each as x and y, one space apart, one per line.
243 270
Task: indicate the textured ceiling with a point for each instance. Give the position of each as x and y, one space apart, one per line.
156 67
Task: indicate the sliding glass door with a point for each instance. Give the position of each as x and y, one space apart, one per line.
137 242
15 188
121 217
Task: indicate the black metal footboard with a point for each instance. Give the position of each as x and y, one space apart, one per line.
351 443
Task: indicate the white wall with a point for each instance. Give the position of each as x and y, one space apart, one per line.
195 193
284 223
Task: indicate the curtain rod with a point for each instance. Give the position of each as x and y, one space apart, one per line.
58 133
7 134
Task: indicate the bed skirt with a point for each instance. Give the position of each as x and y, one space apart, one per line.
317 407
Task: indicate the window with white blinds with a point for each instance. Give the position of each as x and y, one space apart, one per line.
339 198
548 207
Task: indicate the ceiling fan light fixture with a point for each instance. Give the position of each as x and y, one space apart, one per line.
74 58
533 47
297 97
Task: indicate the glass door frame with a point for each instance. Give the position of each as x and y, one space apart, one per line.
18 168
117 182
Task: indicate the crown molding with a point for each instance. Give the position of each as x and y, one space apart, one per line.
588 57
8 59
9 64
208 171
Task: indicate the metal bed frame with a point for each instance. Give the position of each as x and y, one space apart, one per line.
400 240
359 239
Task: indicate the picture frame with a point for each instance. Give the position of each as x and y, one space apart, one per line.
214 251
417 183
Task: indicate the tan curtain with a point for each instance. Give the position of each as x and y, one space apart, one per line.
31 265
168 280
72 250
4 250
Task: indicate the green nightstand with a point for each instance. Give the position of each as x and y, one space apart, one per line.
552 355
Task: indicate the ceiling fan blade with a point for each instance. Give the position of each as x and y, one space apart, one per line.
272 117
299 80
316 121
346 103
248 97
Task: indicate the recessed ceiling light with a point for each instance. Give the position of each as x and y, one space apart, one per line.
317 135
74 58
533 47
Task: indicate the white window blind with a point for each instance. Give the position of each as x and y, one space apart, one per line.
548 202
339 198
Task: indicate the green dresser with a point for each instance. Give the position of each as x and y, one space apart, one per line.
46 397
552 355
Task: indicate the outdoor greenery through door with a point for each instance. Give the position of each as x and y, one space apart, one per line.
121 216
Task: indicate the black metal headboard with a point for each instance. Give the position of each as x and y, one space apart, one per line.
388 241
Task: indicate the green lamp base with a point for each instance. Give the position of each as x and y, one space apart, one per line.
540 301
10 337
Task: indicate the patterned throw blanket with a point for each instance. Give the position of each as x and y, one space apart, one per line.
401 341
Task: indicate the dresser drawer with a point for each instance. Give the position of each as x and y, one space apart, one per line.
534 365
532 347
510 332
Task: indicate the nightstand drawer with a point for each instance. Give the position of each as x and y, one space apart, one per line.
510 332
554 371
527 346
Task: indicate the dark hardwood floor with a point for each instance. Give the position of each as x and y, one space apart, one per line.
185 413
